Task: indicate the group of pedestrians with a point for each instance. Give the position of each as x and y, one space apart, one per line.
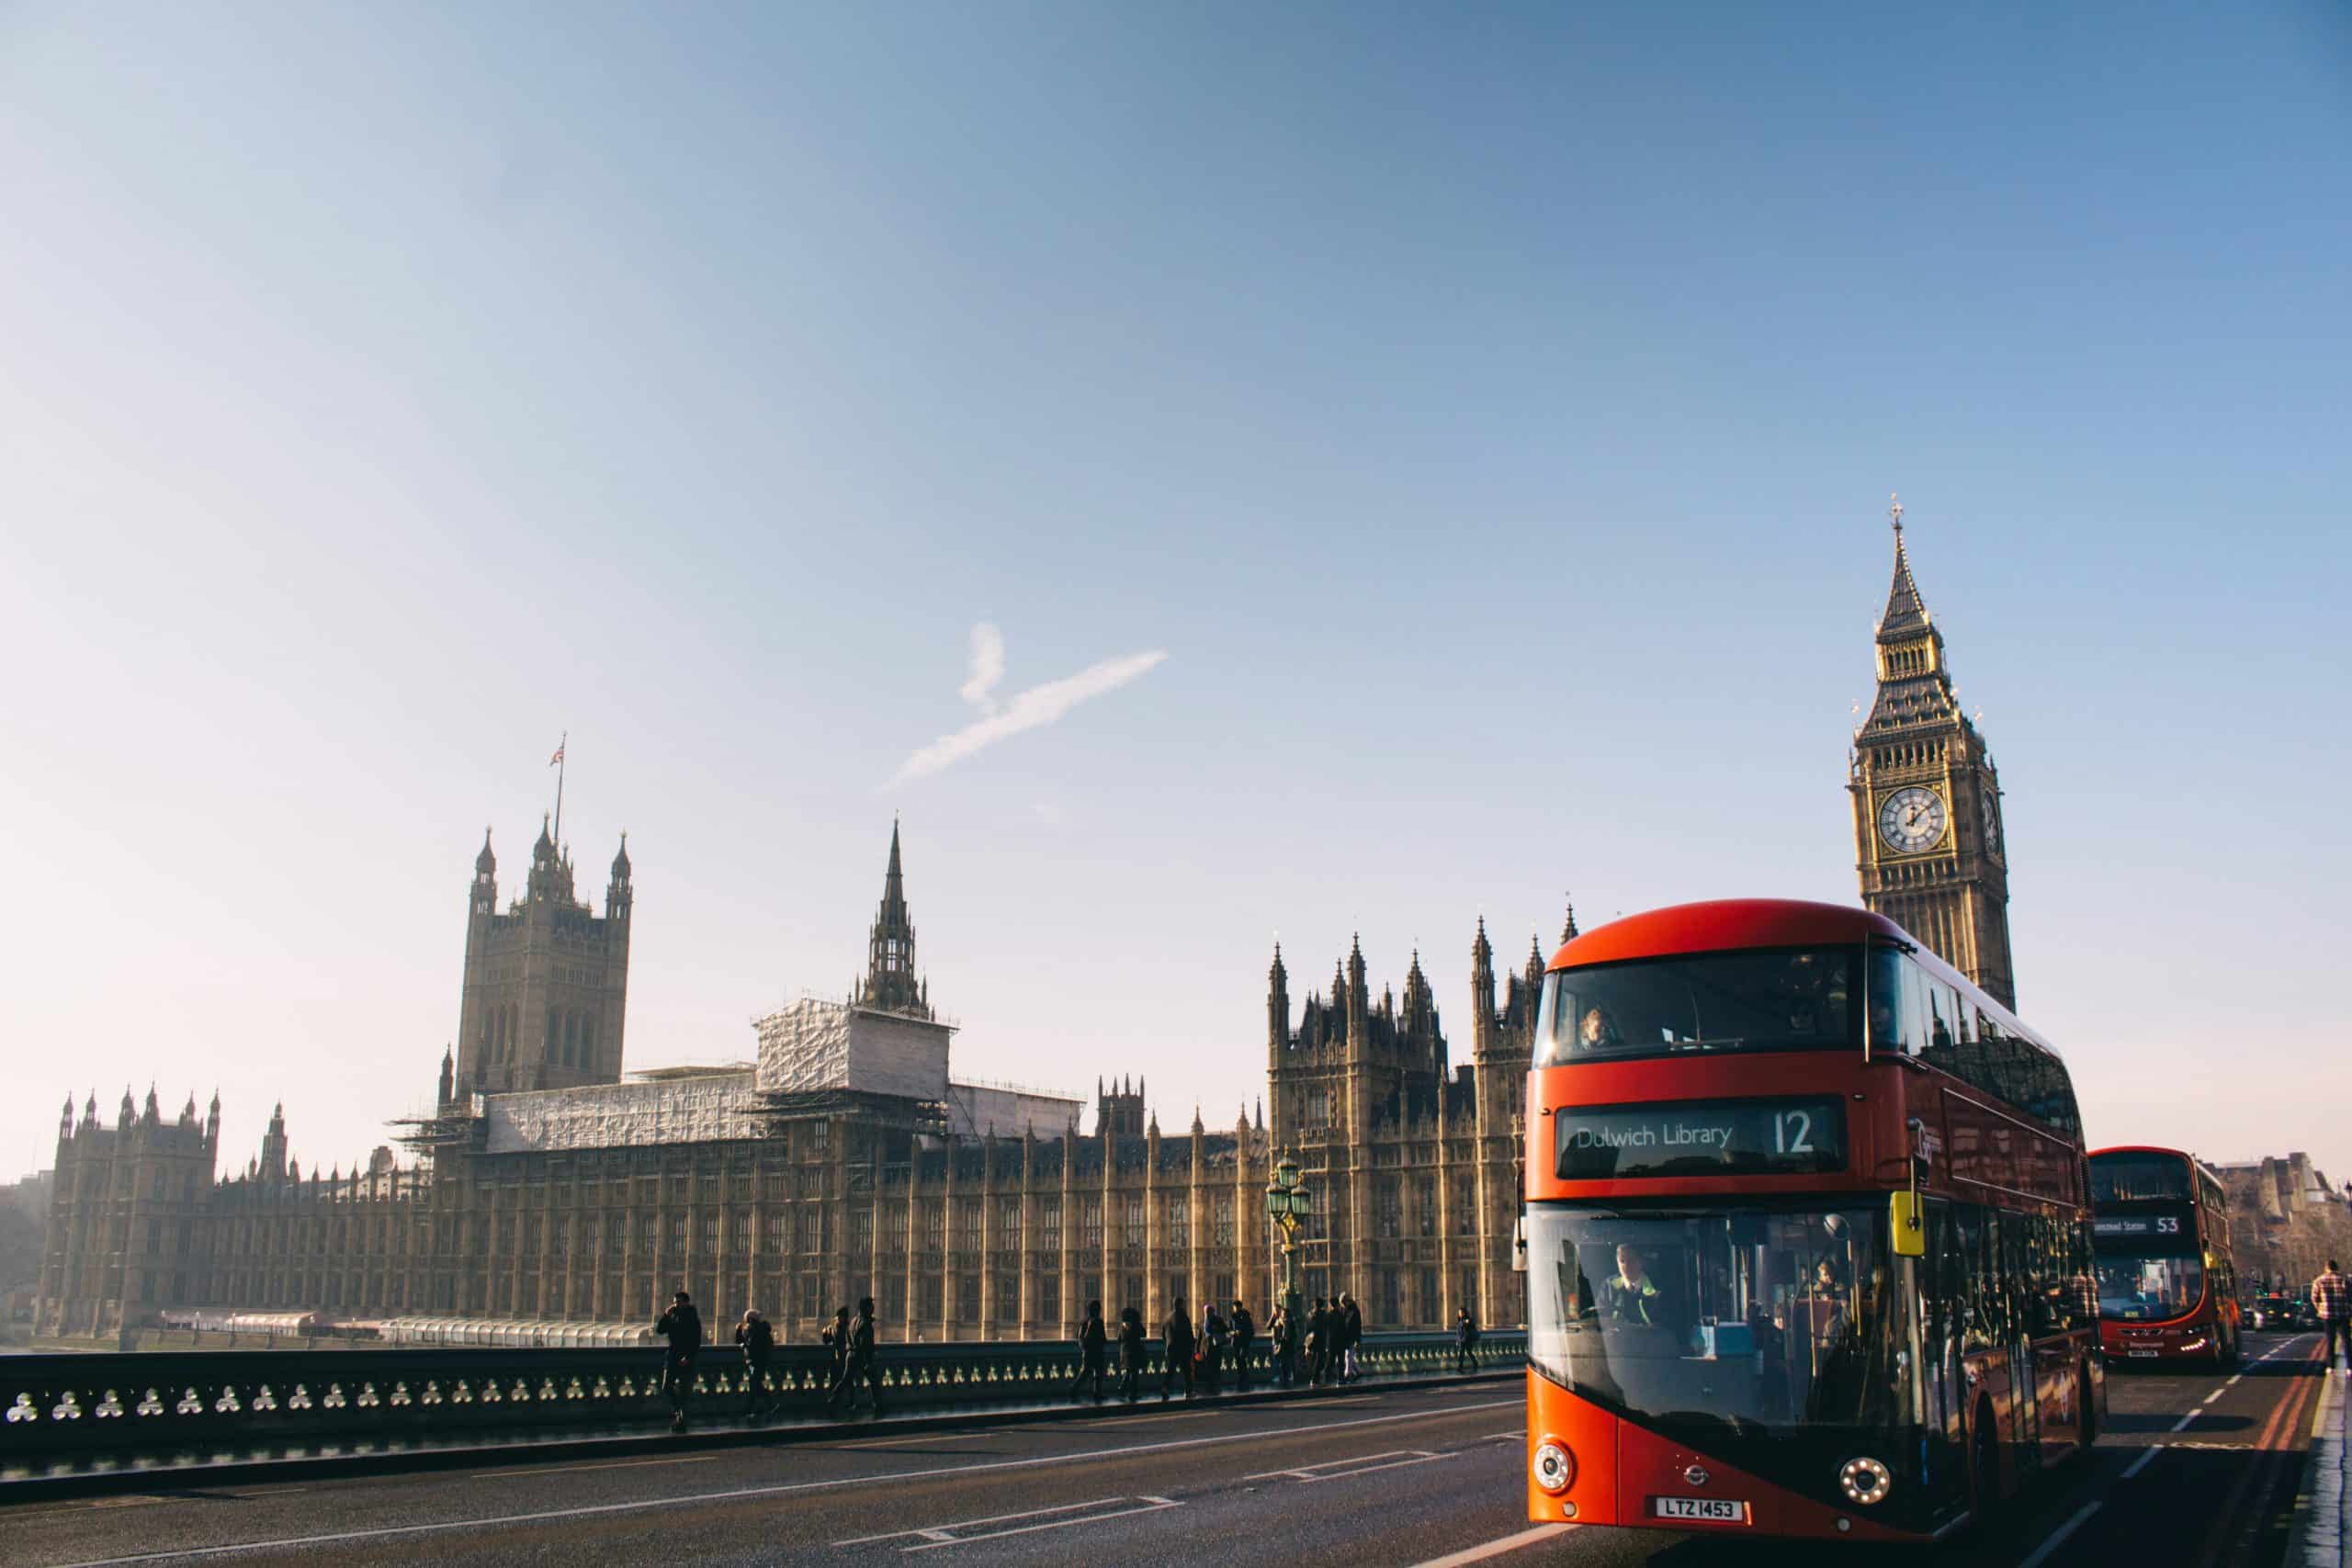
850 1343
1195 1355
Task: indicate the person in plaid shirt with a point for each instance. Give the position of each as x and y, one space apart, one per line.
2332 1299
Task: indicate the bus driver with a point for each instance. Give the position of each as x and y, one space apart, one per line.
1630 1293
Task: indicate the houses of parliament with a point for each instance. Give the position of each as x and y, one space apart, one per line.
548 1189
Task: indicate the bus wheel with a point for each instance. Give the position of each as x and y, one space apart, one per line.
1984 1472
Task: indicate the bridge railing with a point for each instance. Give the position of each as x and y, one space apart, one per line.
155 1403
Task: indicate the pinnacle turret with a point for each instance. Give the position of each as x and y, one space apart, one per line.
890 983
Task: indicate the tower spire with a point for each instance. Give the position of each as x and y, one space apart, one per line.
1907 612
891 981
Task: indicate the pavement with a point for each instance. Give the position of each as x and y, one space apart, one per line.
2323 1536
2198 1470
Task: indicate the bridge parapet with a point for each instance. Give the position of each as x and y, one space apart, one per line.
159 1403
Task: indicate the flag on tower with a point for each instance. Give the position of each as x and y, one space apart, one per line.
557 761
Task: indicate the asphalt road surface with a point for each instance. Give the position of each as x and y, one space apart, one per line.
2195 1469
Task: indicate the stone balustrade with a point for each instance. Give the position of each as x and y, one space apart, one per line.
157 1404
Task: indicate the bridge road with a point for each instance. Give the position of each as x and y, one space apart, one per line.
2196 1470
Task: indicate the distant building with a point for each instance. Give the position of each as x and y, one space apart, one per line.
548 1188
1928 844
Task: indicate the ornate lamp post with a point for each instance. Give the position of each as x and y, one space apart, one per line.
1288 1202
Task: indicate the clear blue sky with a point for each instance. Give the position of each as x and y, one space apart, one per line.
1488 412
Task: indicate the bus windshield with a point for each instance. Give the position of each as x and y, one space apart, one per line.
2140 1287
1748 999
1716 1325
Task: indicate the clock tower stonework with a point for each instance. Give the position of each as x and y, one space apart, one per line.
1927 831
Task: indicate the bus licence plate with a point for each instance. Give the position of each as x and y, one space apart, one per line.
1723 1510
2136 1354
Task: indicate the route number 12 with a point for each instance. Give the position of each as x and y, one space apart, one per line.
1792 1133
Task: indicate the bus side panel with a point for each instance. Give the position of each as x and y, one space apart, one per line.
1589 1434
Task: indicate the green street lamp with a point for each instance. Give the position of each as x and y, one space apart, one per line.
1288 1202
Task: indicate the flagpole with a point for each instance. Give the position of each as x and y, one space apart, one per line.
560 748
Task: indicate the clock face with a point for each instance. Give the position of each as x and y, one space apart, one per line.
1912 819
1992 822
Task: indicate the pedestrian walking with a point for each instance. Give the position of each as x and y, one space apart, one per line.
1217 1337
2332 1299
835 1339
1176 1345
681 1326
1318 1342
1466 1342
862 1365
1281 1330
1245 1336
1091 1344
1351 1336
1131 1350
756 1336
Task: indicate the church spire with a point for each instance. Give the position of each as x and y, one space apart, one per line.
1906 614
890 982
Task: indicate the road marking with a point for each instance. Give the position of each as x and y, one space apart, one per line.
2145 1460
1357 1464
2058 1535
607 1464
2212 1396
939 1532
914 1438
1149 1506
1498 1437
1496 1547
1097 1425
776 1489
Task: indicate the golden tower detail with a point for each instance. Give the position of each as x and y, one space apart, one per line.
1927 832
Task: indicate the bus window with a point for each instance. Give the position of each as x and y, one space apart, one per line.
1752 999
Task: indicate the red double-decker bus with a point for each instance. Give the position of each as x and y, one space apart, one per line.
2167 1284
1808 1233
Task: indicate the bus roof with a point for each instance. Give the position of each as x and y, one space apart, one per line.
1721 923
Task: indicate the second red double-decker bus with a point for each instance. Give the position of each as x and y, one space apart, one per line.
1807 1229
2168 1285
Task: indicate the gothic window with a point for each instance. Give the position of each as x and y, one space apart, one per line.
1135 1219
1089 1222
812 1230
968 1226
861 1231
968 1299
1426 1201
709 1233
1008 1227
1008 1297
1221 1220
1049 1224
1180 1222
1319 1107
934 1226
812 1181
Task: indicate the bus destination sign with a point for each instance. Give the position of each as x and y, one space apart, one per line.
2171 1224
1739 1137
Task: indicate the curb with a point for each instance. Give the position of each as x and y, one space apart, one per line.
2324 1502
257 1471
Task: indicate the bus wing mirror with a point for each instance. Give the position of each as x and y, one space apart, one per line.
1903 1225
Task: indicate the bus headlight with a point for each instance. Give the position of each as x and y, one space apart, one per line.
1865 1481
1553 1466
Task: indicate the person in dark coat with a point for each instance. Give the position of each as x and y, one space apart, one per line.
1318 1342
1350 1335
757 1337
681 1326
1091 1344
1216 1336
1466 1342
1281 1330
1245 1336
1176 1344
1131 1350
836 1342
861 1366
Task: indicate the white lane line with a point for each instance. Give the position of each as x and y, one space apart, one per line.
2214 1396
1357 1464
1498 1437
2146 1458
1149 1506
912 1440
2058 1535
937 1530
776 1489
605 1464
1496 1547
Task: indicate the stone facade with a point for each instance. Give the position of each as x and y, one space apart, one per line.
1927 829
2286 1221
794 1191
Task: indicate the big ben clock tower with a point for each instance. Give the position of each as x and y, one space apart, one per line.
1928 838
